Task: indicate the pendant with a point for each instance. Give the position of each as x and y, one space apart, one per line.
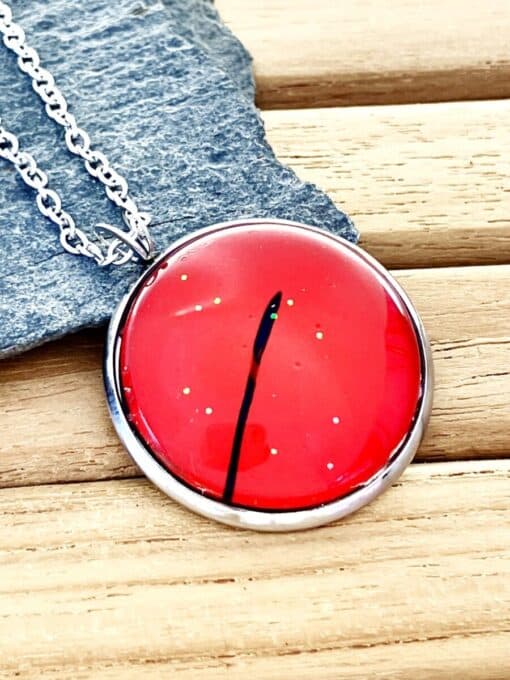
268 375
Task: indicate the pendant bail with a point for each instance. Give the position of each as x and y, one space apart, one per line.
140 242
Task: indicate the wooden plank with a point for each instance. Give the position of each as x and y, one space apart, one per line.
55 426
426 185
111 579
420 659
373 51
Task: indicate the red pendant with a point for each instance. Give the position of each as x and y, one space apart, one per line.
270 367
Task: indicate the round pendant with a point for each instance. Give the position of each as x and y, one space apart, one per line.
268 375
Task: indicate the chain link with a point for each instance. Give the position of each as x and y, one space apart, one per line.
125 245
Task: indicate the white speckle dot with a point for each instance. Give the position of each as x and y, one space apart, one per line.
186 390
319 335
330 466
336 420
184 277
290 302
274 395
208 411
198 308
217 300
273 451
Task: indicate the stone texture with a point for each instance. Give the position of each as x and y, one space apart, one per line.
166 92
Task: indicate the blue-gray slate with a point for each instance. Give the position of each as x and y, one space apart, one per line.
166 92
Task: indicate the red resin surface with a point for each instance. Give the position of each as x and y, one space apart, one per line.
337 386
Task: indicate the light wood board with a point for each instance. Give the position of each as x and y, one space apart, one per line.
426 185
373 51
113 580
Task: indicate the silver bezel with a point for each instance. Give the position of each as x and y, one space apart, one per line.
255 519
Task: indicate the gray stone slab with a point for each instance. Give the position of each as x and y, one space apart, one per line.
165 91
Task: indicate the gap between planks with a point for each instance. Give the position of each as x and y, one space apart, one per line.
100 579
55 426
373 51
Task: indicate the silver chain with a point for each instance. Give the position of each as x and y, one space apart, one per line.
135 243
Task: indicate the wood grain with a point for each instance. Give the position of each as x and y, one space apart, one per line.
372 51
111 579
55 427
426 185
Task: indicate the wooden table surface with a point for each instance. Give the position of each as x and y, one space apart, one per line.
398 110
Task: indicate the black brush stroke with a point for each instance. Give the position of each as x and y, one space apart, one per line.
261 340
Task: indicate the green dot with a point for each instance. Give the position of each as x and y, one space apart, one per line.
274 316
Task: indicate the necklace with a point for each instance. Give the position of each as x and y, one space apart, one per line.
240 376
